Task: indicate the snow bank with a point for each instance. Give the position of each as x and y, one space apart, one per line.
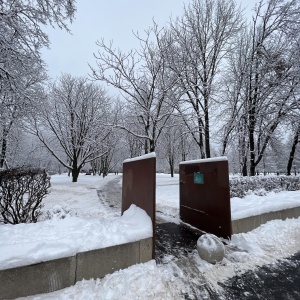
25 244
266 244
253 205
143 281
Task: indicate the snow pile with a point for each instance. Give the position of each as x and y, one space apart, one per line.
210 248
266 244
25 244
143 281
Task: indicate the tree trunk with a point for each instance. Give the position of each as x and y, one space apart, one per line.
75 169
171 164
293 150
75 174
152 146
200 143
244 168
172 170
252 146
206 130
3 148
146 147
252 168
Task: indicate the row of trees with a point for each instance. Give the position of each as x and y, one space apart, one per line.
218 75
208 84
22 71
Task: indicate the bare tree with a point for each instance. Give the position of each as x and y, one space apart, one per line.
70 125
201 40
16 104
263 79
143 80
22 34
21 67
295 124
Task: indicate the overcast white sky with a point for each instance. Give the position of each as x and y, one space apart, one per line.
109 19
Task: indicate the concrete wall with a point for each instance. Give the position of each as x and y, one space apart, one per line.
250 223
57 274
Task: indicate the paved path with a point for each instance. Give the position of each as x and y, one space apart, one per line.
111 195
279 281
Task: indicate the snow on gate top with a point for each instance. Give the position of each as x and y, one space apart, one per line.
145 156
197 161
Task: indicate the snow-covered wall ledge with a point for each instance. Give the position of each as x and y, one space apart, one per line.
57 253
27 244
249 223
52 275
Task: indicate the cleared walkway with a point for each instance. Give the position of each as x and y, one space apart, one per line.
175 246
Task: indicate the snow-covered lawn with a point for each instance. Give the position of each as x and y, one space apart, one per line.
79 221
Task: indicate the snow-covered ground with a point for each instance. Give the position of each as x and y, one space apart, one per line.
75 221
79 219
167 200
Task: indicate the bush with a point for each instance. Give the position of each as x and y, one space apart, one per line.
242 186
21 195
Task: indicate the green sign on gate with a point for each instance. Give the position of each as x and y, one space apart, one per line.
198 178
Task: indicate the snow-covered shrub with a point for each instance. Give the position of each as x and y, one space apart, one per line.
21 195
56 212
260 185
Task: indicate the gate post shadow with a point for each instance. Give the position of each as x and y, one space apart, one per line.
139 185
205 195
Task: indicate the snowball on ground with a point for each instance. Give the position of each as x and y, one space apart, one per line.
210 248
25 244
145 156
197 161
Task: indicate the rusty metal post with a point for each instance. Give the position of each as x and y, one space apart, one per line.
205 195
139 182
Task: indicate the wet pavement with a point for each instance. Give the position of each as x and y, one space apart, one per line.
278 281
174 240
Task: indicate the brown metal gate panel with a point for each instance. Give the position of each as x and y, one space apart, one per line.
139 181
205 196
